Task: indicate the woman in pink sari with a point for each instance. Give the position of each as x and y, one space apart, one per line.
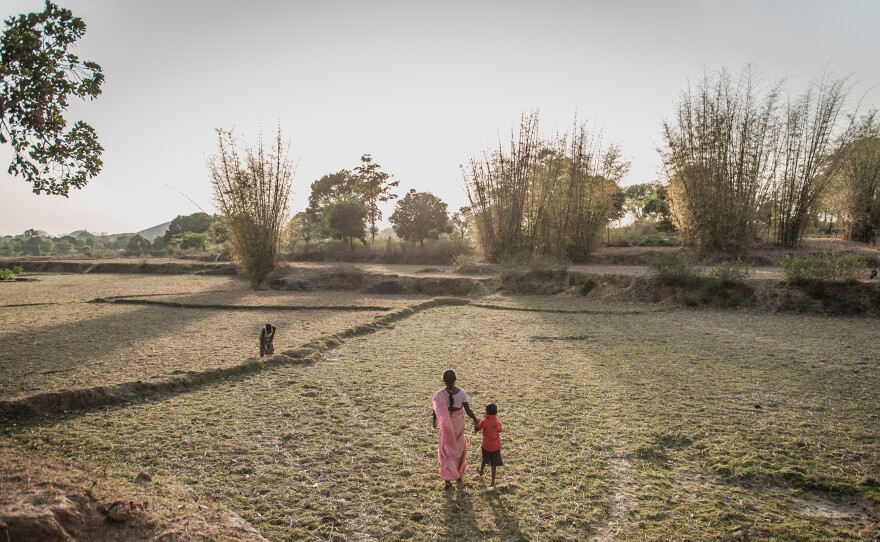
450 404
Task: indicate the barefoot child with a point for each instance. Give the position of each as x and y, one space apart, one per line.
491 428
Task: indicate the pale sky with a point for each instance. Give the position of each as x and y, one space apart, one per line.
422 86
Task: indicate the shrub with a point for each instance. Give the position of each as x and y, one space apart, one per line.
825 266
442 251
729 272
252 190
642 235
6 274
675 269
17 270
588 286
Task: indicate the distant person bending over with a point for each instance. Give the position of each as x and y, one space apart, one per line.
491 427
450 404
266 336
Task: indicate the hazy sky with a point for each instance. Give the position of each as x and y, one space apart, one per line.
421 86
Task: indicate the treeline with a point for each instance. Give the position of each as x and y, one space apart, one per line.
195 232
344 206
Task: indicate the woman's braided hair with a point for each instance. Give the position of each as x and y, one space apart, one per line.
449 379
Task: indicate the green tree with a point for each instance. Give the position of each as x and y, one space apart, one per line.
32 246
194 223
63 246
646 202
37 75
137 245
330 188
419 216
373 186
120 242
635 198
302 227
193 241
346 219
461 220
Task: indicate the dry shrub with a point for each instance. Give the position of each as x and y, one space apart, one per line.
547 196
675 269
740 166
252 192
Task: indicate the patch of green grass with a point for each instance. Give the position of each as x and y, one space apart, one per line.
825 266
588 286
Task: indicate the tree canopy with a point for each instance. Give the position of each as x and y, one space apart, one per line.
419 216
346 219
37 75
194 223
373 185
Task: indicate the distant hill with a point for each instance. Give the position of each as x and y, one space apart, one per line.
79 234
150 234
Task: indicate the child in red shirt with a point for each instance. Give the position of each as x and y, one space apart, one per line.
491 428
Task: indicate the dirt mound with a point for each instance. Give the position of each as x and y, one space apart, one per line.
46 501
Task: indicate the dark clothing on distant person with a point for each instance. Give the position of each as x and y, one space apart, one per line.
266 337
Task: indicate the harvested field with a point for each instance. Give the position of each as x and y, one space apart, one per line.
572 303
297 299
47 348
49 288
686 425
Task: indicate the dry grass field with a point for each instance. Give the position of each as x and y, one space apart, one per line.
50 288
57 340
285 298
619 425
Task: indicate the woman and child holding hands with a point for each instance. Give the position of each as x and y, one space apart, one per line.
450 404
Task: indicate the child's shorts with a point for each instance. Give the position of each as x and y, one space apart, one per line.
492 458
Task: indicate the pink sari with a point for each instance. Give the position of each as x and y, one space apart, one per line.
452 451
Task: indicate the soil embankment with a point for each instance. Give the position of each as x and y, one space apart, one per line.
768 292
350 278
169 267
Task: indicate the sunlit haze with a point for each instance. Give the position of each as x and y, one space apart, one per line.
421 86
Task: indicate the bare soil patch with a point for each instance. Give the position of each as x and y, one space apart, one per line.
45 500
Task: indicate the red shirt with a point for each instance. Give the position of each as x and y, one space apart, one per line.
490 427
